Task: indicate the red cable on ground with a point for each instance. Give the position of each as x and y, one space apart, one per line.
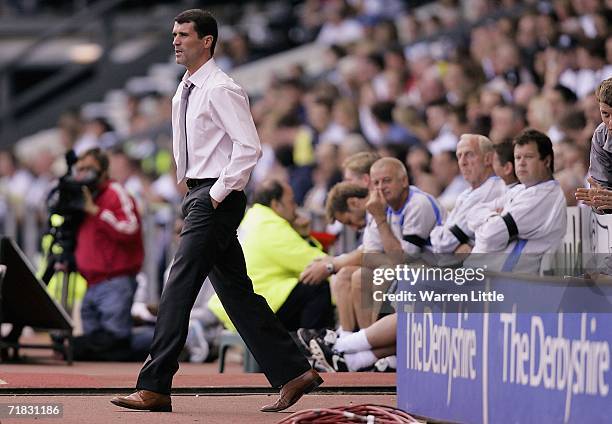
368 413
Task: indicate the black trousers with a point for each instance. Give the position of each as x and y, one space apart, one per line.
308 306
209 245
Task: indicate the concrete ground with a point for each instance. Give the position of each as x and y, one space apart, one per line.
187 408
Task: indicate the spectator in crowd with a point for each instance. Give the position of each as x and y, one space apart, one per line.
445 169
475 157
392 132
109 253
561 100
14 184
324 176
529 220
523 93
539 115
126 171
339 27
503 163
573 125
506 122
98 132
438 121
277 248
419 163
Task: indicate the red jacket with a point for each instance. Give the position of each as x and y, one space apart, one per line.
109 244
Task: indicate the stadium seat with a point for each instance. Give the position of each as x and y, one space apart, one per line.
229 339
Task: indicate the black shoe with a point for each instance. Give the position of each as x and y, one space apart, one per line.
326 357
305 335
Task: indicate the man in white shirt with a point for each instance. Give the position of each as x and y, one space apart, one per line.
530 219
475 157
216 147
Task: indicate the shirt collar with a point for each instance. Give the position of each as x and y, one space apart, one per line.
199 77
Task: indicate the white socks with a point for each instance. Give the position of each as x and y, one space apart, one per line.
355 342
359 360
343 333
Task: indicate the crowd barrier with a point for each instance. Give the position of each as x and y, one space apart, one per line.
544 356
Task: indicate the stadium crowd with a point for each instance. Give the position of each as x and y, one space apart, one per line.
444 108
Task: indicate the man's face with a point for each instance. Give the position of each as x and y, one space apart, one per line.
285 206
355 216
472 163
557 104
502 123
443 167
498 168
606 114
189 49
530 169
388 179
87 168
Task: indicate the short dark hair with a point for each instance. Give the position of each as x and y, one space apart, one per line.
324 101
505 152
541 140
604 92
383 111
567 95
203 22
574 119
451 154
98 155
337 199
268 191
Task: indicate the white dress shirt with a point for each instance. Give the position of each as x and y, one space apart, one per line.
222 141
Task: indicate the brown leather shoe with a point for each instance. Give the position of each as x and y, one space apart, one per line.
292 391
144 400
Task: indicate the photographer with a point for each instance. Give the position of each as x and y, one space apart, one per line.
109 253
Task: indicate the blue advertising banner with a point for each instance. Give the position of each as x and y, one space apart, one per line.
513 365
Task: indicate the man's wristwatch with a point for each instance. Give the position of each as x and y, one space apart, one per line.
329 266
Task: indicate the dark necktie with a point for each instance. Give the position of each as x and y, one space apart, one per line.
181 166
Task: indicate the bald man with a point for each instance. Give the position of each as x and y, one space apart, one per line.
399 221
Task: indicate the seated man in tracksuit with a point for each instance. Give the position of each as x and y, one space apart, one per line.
475 158
529 220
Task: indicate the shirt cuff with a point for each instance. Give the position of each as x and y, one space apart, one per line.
218 192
